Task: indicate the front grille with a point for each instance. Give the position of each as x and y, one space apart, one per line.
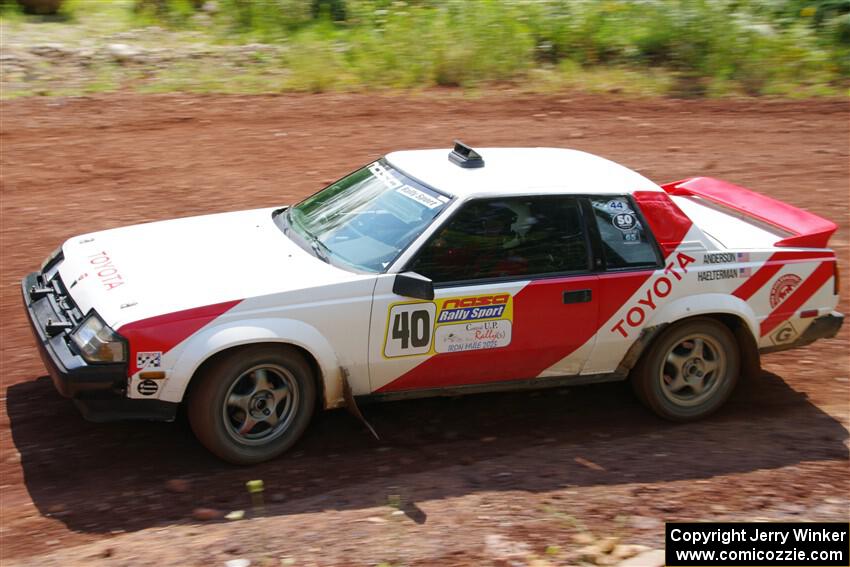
54 291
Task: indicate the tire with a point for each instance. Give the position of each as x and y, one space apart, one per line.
689 371
270 384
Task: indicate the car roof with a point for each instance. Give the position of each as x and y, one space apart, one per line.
521 171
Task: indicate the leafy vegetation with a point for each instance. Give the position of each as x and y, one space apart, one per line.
684 47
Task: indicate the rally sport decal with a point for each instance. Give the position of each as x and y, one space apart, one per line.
454 324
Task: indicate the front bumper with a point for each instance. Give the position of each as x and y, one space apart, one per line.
98 390
824 327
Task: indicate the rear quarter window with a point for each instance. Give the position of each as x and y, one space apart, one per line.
626 242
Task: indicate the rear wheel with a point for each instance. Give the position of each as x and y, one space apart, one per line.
689 371
253 404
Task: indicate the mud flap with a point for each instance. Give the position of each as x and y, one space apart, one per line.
351 404
634 353
750 358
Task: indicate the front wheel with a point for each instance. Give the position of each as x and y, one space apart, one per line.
253 404
689 371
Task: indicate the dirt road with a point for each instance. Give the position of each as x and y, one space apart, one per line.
471 480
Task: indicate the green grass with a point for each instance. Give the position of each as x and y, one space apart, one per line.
789 48
196 77
569 75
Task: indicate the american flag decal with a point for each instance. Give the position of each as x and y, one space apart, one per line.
148 359
744 272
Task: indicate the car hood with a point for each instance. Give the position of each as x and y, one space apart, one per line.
136 272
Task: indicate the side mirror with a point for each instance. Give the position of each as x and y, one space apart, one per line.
411 284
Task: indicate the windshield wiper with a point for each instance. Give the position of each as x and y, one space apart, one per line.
320 249
287 220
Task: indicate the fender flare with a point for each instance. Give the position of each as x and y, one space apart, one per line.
215 339
706 304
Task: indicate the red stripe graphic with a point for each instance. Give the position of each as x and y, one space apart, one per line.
164 332
540 316
798 297
769 269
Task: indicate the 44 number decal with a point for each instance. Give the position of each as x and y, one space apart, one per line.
410 329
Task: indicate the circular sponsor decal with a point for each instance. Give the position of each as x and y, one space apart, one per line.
624 221
782 288
147 387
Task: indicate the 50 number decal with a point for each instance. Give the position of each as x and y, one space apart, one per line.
409 329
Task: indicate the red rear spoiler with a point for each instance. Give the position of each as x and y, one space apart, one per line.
808 230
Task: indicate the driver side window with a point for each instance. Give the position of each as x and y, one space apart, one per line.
502 238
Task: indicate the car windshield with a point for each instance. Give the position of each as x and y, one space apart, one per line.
368 218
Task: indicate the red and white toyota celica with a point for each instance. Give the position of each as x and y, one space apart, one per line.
431 272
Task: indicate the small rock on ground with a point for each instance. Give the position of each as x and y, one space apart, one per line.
177 485
206 514
651 558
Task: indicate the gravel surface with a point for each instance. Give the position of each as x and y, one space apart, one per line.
505 479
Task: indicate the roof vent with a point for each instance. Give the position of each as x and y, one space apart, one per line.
465 157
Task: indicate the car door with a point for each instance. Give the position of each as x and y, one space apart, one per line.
515 298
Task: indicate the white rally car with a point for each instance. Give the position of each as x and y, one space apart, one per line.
432 272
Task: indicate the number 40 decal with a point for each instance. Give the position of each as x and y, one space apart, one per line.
409 329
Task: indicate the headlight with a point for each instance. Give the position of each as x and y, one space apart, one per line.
97 342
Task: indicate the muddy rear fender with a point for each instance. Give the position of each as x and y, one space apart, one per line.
706 304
